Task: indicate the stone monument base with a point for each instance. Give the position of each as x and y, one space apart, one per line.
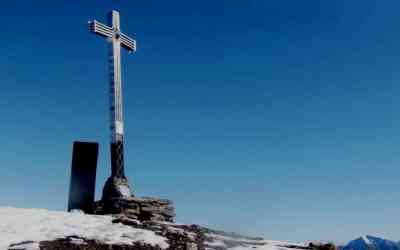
116 188
142 209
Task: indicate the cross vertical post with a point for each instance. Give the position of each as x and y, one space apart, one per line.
116 121
117 184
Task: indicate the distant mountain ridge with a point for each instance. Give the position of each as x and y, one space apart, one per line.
369 242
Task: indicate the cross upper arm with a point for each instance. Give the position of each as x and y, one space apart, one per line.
106 31
128 43
100 29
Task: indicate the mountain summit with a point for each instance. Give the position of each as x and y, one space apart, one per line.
369 242
40 229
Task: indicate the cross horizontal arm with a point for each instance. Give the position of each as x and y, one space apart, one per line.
128 43
100 29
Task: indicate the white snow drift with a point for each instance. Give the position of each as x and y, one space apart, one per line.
247 244
17 225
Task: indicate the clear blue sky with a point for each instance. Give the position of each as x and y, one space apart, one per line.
273 118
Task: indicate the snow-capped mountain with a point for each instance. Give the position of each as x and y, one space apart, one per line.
371 243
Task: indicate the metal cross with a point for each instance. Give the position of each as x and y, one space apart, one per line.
116 39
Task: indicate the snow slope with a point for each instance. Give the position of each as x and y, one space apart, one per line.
17 225
264 245
244 243
35 225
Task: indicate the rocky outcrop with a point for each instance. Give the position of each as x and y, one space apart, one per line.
76 243
321 246
76 231
179 237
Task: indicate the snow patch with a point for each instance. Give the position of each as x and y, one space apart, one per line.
243 243
366 240
264 247
124 190
269 245
19 225
26 246
77 241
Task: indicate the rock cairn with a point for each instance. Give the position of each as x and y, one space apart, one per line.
141 209
118 200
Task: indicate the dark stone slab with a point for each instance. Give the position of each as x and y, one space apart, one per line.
83 176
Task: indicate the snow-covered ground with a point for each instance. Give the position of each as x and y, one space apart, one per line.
34 225
247 243
263 247
17 225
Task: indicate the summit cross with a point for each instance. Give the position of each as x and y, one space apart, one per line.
116 39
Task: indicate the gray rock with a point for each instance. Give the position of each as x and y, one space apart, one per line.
116 188
142 209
